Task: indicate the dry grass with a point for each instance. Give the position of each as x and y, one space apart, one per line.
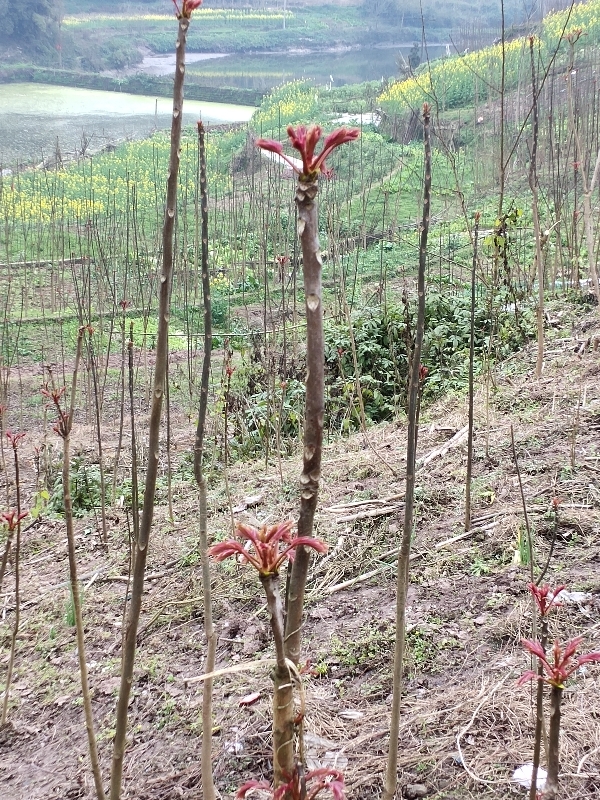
465 725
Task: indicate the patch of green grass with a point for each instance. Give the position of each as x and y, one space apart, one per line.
371 648
70 612
479 566
421 650
167 713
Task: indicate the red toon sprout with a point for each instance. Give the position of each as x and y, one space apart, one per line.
562 667
11 518
267 558
185 12
545 597
298 787
305 141
63 422
15 439
53 394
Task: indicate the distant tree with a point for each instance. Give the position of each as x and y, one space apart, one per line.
414 56
30 24
388 11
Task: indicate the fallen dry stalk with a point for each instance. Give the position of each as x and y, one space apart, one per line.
457 439
467 727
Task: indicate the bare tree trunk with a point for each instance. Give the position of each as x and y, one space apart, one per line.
536 217
539 712
283 689
308 228
85 689
389 789
141 545
551 790
121 407
588 222
17 570
502 164
471 389
64 427
135 504
94 371
587 190
208 787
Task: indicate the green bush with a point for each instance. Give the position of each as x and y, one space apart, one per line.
86 494
382 337
380 340
219 309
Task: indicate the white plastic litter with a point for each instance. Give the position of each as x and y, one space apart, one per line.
573 597
522 776
351 714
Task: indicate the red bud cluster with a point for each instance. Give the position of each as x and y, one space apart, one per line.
305 141
267 558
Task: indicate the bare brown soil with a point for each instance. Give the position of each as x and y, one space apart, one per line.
465 724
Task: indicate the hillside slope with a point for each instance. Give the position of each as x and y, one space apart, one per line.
465 725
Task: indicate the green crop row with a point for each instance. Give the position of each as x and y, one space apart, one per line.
456 82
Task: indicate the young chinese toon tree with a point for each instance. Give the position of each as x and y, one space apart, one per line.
201 246
286 624
63 428
265 556
417 375
555 669
305 140
12 519
183 13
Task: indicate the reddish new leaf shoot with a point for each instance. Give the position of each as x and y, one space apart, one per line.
11 518
15 439
299 787
305 141
562 666
267 557
185 12
545 598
